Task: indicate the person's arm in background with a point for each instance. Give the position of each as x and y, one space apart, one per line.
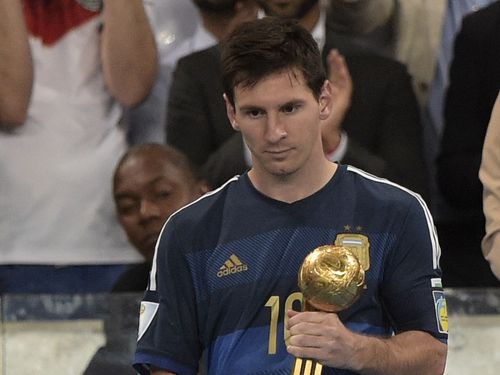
129 53
489 173
16 67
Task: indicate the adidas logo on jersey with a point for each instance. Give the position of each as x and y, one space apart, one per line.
231 266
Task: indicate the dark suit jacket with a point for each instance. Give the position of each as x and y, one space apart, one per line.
383 124
473 88
135 279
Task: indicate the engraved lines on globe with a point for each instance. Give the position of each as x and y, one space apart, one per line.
331 278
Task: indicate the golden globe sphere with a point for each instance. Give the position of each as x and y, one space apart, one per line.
331 278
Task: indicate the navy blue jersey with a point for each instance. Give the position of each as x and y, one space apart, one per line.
225 273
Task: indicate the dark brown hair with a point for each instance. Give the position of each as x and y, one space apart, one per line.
270 45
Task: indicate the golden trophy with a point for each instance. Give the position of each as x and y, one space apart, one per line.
331 279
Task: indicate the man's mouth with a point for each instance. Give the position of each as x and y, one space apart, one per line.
279 152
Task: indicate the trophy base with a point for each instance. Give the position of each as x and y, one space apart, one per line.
304 366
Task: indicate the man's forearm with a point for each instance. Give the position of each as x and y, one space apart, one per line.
408 353
128 51
16 70
489 174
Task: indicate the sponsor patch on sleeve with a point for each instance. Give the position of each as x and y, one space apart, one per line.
146 314
441 310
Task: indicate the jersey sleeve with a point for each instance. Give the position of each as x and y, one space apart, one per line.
168 334
412 290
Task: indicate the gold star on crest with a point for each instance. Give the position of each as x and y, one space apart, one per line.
347 228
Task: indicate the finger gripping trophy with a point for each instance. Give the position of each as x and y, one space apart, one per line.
331 279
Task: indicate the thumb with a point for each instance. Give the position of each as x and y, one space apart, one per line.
292 313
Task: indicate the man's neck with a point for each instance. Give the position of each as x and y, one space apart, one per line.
296 186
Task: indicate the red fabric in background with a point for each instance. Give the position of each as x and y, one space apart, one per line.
50 20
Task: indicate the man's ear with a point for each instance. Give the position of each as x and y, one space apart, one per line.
326 100
231 113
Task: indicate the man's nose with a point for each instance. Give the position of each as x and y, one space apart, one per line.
275 128
149 209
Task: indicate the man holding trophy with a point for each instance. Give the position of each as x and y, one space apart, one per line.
300 265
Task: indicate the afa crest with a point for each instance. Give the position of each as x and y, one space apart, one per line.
358 244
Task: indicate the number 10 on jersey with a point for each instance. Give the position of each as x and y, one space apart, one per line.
301 366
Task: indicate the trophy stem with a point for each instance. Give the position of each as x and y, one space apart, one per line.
306 367
331 279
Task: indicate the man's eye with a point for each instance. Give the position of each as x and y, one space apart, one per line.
253 113
127 209
163 194
290 108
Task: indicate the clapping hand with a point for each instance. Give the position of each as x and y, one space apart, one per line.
341 83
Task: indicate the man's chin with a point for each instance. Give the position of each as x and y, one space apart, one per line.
281 172
148 247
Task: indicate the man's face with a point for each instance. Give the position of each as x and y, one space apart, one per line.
148 189
287 8
279 118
